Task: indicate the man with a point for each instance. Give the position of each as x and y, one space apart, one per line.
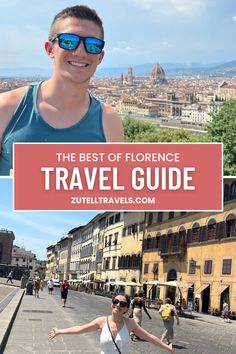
9 277
50 286
64 292
61 109
225 311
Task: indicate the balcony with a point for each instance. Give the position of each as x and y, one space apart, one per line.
173 250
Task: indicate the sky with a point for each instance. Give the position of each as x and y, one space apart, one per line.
136 31
36 231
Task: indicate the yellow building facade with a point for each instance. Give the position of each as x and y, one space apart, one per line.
198 249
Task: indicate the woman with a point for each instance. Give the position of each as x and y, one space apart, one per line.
137 305
167 312
115 329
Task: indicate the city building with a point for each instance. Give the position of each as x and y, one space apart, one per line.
6 243
157 75
198 249
23 258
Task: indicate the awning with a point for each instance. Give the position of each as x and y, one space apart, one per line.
201 288
85 275
220 289
174 283
123 283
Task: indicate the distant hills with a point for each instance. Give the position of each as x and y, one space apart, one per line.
171 69
175 69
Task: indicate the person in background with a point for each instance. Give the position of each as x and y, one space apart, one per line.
64 292
225 311
168 312
115 329
9 277
50 285
36 286
137 306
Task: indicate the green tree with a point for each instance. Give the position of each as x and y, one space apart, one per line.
223 129
135 127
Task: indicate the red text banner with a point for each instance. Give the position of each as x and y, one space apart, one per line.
110 176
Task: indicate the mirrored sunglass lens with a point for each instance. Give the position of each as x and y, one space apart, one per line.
68 42
93 45
123 304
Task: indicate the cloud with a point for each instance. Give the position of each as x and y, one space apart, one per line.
19 218
166 44
122 47
234 18
169 7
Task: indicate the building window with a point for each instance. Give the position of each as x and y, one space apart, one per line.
146 266
150 219
226 193
116 238
109 242
129 229
211 230
196 233
230 225
111 220
141 227
192 267
208 267
117 217
114 262
160 216
124 232
233 191
107 263
23 259
171 215
155 268
226 268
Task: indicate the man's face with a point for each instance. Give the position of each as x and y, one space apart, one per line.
76 65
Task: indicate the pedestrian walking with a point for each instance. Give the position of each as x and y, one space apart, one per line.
168 312
138 304
36 285
225 312
41 284
50 285
115 329
64 292
9 277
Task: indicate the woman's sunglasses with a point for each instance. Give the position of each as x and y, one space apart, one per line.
71 41
121 303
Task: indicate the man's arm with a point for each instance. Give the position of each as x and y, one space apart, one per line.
112 125
8 103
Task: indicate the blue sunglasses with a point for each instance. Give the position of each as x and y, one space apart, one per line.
71 41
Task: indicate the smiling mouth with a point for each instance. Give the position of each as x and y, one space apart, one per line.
79 65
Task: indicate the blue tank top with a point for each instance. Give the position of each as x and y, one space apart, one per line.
26 125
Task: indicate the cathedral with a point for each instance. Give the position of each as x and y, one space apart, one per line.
157 75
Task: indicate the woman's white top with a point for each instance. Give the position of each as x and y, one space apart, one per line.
122 340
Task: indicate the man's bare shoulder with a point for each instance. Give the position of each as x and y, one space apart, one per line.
8 102
11 98
113 126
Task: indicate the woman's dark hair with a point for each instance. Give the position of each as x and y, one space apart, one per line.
168 301
127 298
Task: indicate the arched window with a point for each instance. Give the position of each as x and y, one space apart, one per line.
211 230
196 232
230 225
233 191
226 193
149 242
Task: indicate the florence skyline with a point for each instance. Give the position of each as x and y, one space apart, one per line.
168 31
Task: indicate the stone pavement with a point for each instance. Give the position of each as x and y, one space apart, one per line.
35 318
10 297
